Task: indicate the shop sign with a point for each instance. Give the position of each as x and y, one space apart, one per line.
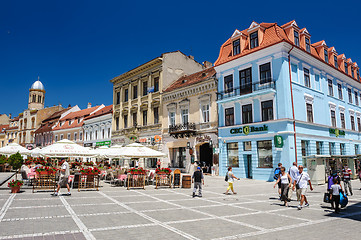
278 141
247 129
204 138
337 132
88 144
104 143
151 140
133 138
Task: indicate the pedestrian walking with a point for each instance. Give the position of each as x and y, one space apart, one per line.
301 185
335 196
230 179
294 173
64 175
286 181
330 181
197 179
346 174
276 175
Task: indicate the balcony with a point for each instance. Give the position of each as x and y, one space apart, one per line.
247 89
182 130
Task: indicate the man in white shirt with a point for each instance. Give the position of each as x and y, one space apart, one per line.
294 173
301 184
64 175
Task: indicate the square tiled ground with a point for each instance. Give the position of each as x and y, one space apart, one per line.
36 212
77 201
194 202
29 203
224 210
109 208
151 205
130 199
175 215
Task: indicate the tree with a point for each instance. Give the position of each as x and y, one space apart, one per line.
16 160
3 159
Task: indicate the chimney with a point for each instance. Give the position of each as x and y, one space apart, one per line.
207 64
191 57
89 105
9 115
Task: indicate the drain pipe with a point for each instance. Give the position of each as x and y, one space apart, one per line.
293 107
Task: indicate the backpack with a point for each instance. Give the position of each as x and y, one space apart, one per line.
277 173
226 178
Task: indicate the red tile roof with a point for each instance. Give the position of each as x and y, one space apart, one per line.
81 113
192 79
272 34
3 128
103 111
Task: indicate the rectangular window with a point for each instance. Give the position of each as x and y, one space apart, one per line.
172 118
254 39
135 122
247 114
56 138
309 112
305 145
145 117
265 73
81 136
339 88
356 149
232 154
117 123
319 148
118 98
61 136
135 92
326 55
75 136
267 110
306 74
145 88
125 121
184 113
342 149
156 115
346 68
69 136
126 95
236 47
352 119
342 117
156 84
247 146
332 148
229 116
333 118
205 113
245 80
335 60
317 82
352 72
228 83
349 95
356 98
359 124
297 39
294 72
330 87
265 154
308 47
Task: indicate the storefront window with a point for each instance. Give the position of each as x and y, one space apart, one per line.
332 148
305 148
265 154
177 156
342 149
319 148
232 154
247 146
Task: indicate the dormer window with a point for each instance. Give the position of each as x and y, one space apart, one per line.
335 60
326 55
254 40
69 122
346 68
352 72
358 74
308 47
297 39
236 47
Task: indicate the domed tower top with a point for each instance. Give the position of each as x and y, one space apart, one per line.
36 96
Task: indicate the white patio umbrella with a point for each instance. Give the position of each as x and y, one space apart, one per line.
66 148
35 152
13 148
136 150
111 152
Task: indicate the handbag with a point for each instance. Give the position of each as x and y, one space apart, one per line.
298 185
326 198
226 178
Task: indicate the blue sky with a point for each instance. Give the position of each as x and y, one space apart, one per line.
78 46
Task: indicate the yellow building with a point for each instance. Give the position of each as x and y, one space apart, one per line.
137 102
190 121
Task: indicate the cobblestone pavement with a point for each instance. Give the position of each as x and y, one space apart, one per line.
117 213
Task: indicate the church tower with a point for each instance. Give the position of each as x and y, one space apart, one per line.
36 96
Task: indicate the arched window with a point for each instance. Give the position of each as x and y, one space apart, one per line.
39 99
25 123
34 98
33 122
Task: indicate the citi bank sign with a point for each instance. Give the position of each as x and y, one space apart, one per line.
247 130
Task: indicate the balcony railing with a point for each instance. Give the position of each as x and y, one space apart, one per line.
247 89
182 130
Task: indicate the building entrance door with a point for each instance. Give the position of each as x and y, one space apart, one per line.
206 157
249 166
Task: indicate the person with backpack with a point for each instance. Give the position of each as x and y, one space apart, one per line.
230 179
276 176
286 181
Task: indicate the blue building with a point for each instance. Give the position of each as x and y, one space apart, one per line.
283 99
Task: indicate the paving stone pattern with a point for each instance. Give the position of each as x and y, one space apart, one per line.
116 213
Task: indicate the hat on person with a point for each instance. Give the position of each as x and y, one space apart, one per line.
198 167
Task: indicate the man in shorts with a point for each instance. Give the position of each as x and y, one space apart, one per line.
64 175
301 184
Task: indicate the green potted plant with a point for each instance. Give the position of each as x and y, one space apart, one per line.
16 160
15 185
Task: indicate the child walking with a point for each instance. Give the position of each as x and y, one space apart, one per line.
335 196
197 179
